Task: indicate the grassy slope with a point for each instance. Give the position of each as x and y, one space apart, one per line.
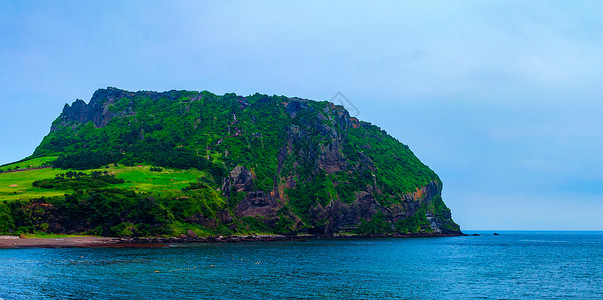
30 163
17 185
138 177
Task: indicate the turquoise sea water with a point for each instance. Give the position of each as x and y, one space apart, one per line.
513 265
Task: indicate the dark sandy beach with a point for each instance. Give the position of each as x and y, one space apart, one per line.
91 242
6 242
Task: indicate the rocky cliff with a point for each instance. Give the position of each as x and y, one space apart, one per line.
291 164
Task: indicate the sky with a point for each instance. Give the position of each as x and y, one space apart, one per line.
502 99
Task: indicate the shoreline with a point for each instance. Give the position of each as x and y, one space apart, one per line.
66 242
115 242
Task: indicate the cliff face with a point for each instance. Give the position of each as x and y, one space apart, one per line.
271 158
97 111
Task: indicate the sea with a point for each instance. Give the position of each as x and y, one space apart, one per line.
511 265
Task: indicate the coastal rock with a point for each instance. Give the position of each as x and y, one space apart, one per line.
274 163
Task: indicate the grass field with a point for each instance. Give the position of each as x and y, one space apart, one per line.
18 185
143 179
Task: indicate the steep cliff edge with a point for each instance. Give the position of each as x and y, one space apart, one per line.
285 165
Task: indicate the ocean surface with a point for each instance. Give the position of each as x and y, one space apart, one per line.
512 265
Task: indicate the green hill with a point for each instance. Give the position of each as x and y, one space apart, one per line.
181 162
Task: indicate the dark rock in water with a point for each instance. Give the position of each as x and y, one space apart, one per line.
475 234
496 233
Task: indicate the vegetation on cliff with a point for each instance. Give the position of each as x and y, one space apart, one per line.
263 164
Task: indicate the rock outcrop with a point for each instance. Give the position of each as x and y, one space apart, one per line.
284 158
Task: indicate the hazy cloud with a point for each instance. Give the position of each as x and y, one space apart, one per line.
501 98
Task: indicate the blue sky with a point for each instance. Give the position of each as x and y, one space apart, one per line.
502 99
